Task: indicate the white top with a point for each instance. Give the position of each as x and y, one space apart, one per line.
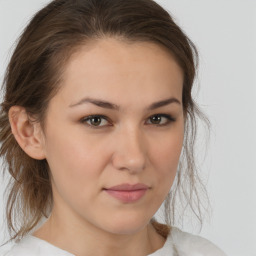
178 243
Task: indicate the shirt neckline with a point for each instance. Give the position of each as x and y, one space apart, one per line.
48 246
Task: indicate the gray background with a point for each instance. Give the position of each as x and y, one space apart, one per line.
225 34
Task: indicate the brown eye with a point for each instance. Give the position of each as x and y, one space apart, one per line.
160 119
156 119
96 121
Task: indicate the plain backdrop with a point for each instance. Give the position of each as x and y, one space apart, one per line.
225 33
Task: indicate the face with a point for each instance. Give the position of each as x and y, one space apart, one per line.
113 134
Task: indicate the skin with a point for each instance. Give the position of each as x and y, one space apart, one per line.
126 147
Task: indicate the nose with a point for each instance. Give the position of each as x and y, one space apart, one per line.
130 151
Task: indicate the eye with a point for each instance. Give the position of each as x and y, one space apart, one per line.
96 121
160 119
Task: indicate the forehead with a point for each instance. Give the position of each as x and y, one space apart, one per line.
123 53
115 68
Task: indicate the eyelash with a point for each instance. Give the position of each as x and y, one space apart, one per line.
87 120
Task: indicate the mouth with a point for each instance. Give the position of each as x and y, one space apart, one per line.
127 193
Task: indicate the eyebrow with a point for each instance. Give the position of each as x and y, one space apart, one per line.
109 105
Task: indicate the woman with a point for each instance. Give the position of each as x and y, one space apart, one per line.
97 111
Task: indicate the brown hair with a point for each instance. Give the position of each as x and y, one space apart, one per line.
34 75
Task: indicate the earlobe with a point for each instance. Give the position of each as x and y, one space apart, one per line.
27 133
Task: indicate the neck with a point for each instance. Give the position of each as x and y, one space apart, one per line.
81 238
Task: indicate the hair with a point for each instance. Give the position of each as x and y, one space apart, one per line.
34 76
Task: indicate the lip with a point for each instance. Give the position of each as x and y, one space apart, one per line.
129 187
128 193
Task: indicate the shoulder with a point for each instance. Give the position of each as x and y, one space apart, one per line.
26 246
191 245
32 246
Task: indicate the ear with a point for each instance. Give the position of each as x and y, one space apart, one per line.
28 134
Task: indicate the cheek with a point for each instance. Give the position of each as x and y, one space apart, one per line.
166 155
168 148
75 172
74 162
73 148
